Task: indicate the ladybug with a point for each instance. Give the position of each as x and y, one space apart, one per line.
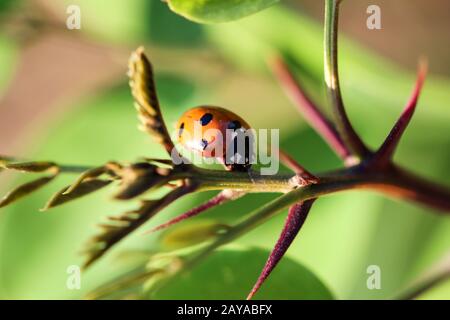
198 130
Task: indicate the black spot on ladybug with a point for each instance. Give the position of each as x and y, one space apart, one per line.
206 118
204 144
181 129
233 125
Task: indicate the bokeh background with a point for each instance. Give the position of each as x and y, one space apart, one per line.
64 97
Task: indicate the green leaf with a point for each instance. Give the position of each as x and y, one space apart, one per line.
230 274
215 11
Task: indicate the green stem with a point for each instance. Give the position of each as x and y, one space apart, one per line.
392 181
343 125
389 182
246 181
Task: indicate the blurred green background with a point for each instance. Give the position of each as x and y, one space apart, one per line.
64 97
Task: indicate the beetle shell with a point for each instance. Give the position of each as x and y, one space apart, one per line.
203 119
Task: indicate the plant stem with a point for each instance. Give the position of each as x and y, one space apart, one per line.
249 182
392 181
308 109
343 125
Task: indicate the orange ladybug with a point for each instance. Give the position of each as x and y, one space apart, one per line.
207 129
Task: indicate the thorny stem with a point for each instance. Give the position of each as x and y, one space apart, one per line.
386 151
343 125
308 109
223 197
363 168
219 180
305 177
394 183
392 180
365 173
296 218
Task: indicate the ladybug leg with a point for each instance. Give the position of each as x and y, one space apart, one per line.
249 172
238 167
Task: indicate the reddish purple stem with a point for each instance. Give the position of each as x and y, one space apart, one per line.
222 197
387 149
301 172
308 109
294 221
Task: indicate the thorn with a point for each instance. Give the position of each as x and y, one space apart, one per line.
304 175
294 221
310 111
224 196
387 149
